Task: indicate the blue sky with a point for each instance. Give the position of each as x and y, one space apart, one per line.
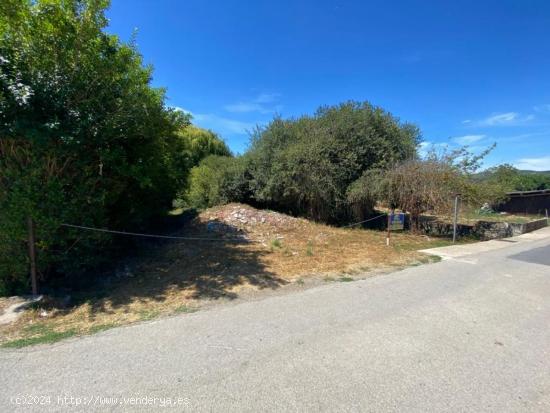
466 72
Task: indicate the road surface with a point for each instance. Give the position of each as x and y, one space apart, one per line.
470 333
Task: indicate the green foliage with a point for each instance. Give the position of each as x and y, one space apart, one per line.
363 193
305 166
308 166
275 243
198 143
84 138
41 335
430 184
193 145
512 179
217 180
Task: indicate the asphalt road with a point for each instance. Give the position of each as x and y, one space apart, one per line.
471 333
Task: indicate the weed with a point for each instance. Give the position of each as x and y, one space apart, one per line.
309 249
275 243
300 281
101 327
184 309
345 279
47 336
37 328
148 314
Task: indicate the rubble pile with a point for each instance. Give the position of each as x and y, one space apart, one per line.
238 217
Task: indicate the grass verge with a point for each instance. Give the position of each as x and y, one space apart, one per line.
45 337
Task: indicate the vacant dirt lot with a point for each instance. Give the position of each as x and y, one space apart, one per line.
246 250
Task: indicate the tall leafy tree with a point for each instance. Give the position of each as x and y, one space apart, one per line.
84 138
306 165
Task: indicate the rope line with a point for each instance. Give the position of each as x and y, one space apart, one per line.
136 234
366 220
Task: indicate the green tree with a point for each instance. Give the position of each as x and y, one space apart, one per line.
305 166
512 179
193 144
430 184
198 143
217 180
84 138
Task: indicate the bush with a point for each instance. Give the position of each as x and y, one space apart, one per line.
84 138
217 180
306 166
428 185
512 179
197 143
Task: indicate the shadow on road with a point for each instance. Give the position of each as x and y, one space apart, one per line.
535 256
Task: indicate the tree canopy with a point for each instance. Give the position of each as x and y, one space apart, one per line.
84 138
305 165
428 184
514 179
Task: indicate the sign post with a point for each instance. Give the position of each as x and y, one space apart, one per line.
395 222
389 228
455 218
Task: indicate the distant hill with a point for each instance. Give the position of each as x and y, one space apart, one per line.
528 172
516 179
487 173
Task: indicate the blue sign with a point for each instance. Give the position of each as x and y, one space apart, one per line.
397 221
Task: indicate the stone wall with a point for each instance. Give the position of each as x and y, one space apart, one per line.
432 226
484 230
494 230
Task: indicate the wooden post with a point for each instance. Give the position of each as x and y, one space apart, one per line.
32 256
455 218
389 228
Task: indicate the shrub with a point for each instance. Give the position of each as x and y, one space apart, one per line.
428 185
217 180
305 166
84 138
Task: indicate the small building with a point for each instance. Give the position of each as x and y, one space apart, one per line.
527 202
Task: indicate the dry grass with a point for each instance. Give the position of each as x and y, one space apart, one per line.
473 217
177 277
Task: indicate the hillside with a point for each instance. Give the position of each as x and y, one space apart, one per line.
528 172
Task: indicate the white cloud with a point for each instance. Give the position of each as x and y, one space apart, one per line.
467 139
181 110
425 147
534 164
500 118
505 119
263 103
267 97
219 124
244 107
466 121
542 108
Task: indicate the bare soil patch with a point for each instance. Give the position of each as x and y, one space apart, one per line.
6 302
